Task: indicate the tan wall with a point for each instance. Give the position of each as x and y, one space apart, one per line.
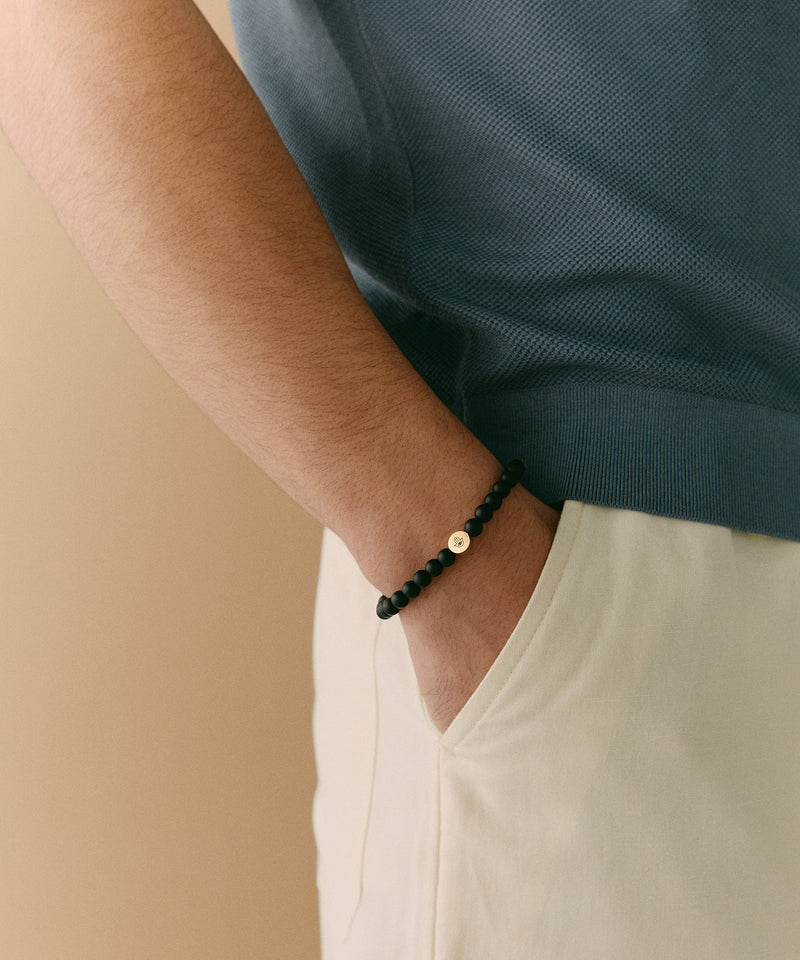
156 769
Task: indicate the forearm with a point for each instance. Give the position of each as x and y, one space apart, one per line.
164 168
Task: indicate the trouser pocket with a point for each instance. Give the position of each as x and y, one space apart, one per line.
627 783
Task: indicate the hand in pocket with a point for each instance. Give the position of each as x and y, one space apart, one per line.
458 626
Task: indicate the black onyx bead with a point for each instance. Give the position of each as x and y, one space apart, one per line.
515 469
422 578
493 500
446 557
512 473
473 527
502 489
399 600
411 589
484 513
434 568
385 610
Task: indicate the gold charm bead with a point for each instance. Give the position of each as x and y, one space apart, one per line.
458 542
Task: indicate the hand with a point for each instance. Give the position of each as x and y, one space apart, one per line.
458 626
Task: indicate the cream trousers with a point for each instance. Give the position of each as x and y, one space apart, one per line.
624 784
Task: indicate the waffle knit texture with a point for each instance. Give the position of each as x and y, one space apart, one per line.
579 219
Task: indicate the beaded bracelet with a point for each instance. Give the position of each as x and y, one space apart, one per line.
459 541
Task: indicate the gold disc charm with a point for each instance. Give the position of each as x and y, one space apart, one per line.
458 542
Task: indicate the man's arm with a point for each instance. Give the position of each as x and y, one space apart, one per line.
164 168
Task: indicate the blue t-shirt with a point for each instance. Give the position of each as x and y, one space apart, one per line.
579 219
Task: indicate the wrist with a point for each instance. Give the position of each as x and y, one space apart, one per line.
411 517
457 544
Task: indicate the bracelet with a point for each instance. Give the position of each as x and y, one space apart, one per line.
459 542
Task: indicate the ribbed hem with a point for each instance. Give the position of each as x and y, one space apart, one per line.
660 452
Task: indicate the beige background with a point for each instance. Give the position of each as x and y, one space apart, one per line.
156 769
